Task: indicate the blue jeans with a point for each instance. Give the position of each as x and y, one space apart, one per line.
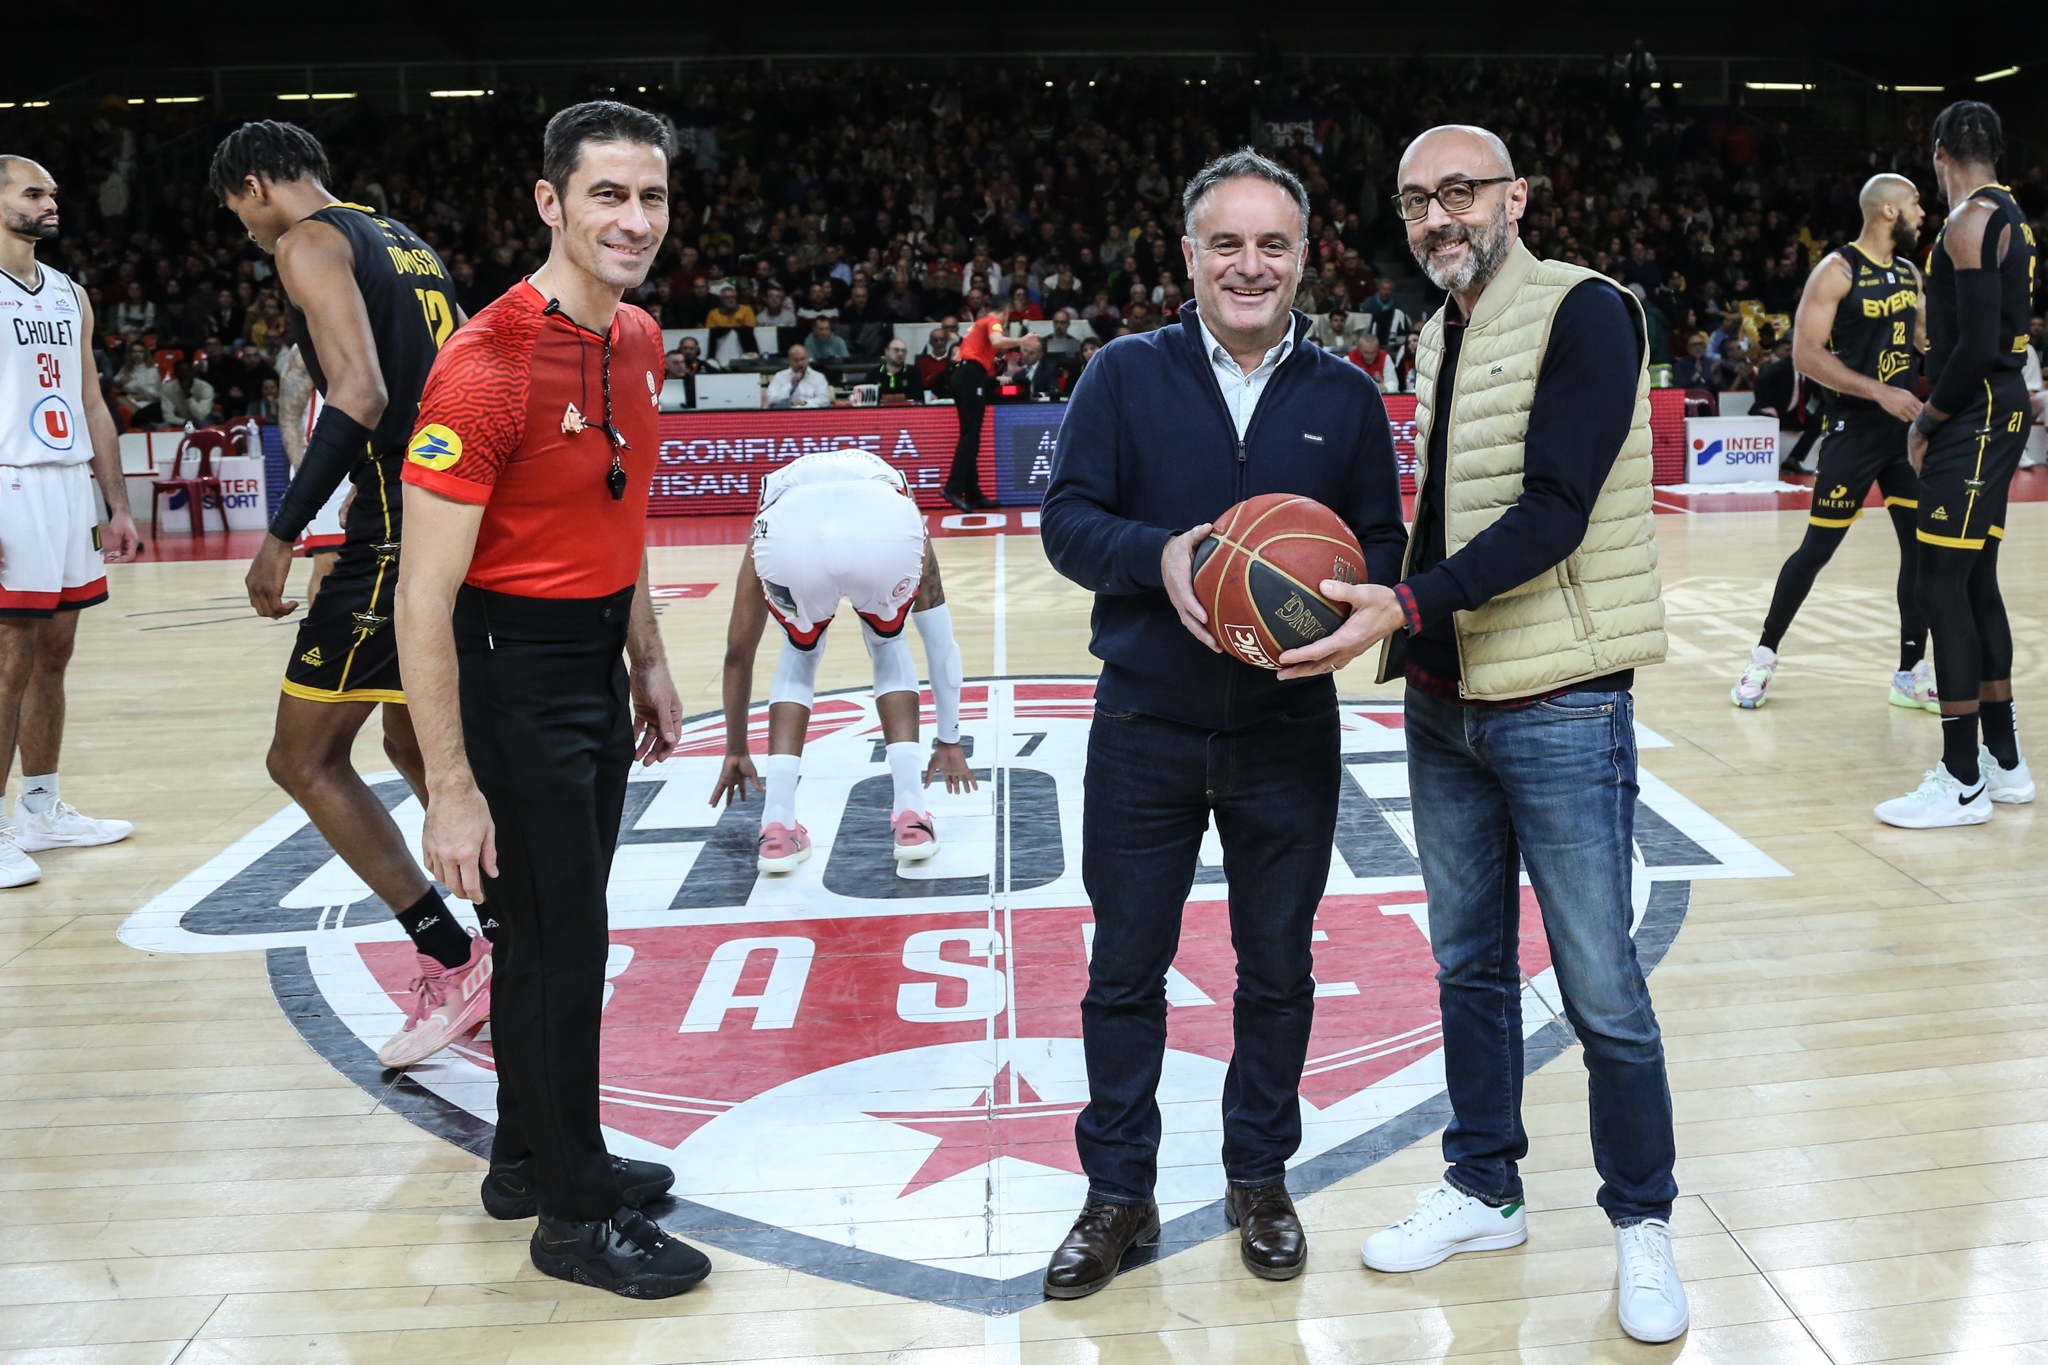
1151 786
1556 782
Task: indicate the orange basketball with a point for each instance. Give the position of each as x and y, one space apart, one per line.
1258 574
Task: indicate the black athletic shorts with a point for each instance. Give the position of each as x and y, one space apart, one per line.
1967 474
1862 446
347 648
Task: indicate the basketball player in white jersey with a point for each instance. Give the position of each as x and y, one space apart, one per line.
53 424
833 525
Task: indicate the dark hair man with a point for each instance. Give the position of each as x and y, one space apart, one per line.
51 564
370 306
1165 431
1859 328
1530 597
1967 443
526 486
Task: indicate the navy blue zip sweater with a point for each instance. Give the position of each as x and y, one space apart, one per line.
1148 450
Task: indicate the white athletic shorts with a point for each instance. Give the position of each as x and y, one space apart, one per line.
324 533
838 524
49 540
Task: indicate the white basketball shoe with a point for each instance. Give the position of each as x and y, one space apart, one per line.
1446 1221
16 867
62 826
1939 802
2008 786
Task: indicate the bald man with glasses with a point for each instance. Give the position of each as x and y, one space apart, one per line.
1528 597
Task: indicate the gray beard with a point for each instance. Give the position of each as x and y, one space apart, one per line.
1488 249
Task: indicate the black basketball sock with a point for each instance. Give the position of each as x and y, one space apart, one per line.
434 931
1911 652
1959 748
1999 735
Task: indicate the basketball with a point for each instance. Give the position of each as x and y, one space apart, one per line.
1259 571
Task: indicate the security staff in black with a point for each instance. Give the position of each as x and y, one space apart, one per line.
1967 443
1858 334
371 306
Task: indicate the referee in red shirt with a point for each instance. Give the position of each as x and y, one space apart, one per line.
525 577
969 384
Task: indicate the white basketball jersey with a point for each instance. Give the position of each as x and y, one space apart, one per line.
42 394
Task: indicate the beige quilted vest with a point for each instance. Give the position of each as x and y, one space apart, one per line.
1602 609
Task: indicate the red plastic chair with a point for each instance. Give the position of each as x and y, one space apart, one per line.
167 361
204 444
245 434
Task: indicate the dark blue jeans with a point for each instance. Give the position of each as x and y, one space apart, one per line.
1151 787
1556 782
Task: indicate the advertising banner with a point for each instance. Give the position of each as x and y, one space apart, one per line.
1731 449
712 463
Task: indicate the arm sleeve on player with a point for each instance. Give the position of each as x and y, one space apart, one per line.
472 414
338 442
796 675
1976 342
942 657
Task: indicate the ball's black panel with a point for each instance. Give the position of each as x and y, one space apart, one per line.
1209 546
1294 616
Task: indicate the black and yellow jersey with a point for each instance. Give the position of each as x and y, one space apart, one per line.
1875 322
2015 288
408 296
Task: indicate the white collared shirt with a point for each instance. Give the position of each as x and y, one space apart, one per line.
1240 390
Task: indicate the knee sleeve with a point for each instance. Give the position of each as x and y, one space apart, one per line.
796 674
895 670
942 656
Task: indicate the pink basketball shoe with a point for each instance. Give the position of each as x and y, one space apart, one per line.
916 840
782 848
447 1002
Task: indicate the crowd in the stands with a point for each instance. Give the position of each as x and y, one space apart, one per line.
840 202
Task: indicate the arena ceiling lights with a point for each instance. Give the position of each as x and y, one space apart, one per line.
1998 75
466 94
1777 85
322 95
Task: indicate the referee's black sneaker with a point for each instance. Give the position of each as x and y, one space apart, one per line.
624 1253
509 1192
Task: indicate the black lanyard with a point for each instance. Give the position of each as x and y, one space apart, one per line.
615 477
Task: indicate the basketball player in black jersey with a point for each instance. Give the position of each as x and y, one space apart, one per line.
1966 443
1858 334
371 306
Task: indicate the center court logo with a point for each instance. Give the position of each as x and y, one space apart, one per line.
869 1071
434 446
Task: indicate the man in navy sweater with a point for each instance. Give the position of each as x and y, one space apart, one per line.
1164 432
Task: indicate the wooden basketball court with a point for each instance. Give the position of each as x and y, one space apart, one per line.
198 1168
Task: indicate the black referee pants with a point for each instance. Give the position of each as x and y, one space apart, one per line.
970 386
548 726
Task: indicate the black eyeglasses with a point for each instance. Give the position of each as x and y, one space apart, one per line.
1456 197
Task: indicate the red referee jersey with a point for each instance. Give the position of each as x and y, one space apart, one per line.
510 420
977 343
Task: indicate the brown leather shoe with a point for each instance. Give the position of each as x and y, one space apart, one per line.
1269 1235
1088 1259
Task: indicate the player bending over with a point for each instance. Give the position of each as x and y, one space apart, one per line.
1860 322
834 525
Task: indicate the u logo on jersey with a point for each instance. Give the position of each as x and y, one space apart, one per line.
51 422
434 446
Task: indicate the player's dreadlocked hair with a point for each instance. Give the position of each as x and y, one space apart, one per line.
595 121
277 152
1971 132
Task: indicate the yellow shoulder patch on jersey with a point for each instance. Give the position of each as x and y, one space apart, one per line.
434 446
